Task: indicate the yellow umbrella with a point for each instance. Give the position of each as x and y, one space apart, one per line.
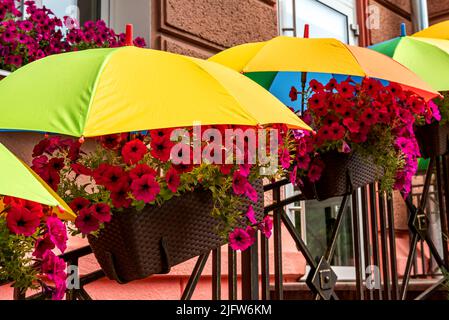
437 31
18 180
287 54
105 91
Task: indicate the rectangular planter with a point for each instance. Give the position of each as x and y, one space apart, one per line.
342 174
135 245
433 139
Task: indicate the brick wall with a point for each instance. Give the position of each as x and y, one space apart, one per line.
201 28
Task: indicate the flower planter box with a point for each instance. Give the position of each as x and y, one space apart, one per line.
342 174
135 245
433 139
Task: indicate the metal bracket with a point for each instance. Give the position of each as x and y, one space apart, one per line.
323 279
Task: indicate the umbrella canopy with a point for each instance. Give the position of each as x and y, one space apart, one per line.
263 61
18 180
438 31
105 91
427 57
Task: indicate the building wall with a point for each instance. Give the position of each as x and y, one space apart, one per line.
201 28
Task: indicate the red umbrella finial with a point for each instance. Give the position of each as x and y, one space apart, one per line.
129 35
306 31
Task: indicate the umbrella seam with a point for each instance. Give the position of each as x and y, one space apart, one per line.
95 87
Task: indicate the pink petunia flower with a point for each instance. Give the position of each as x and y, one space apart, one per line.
58 233
239 239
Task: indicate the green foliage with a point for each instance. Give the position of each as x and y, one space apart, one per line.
15 261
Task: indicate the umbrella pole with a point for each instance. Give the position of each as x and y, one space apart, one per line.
304 74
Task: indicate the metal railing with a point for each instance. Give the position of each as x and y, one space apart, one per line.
374 244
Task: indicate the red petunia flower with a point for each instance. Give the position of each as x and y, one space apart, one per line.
140 170
352 125
369 117
134 151
317 101
251 193
266 226
52 178
346 89
337 132
79 204
120 198
113 177
316 86
173 180
79 169
56 164
145 189
102 212
161 148
113 141
22 221
86 222
43 245
331 85
161 134
293 94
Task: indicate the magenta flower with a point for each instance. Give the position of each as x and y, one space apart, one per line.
251 215
285 158
239 239
314 173
239 183
250 192
43 245
266 227
57 233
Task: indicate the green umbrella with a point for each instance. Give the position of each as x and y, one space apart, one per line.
18 180
427 57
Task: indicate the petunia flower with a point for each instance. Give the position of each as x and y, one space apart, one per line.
315 172
293 94
134 151
239 239
22 221
173 180
250 192
140 170
42 245
86 222
251 215
285 158
120 198
239 183
266 226
161 148
57 233
145 189
102 212
79 204
113 177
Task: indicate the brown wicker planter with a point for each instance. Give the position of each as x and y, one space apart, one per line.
342 174
135 245
433 139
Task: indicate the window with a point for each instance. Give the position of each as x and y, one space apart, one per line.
327 19
81 10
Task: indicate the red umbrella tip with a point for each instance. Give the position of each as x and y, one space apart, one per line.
306 31
129 35
81 140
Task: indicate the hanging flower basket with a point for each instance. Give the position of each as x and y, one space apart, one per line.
135 245
342 174
433 139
